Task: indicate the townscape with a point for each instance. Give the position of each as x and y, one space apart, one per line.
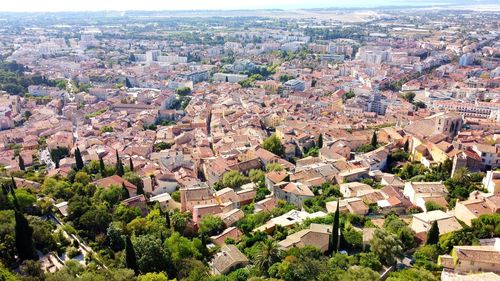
342 144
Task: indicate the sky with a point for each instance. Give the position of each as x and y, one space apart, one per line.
121 5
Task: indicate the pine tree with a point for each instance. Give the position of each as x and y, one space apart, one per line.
21 163
320 141
126 194
433 234
334 241
131 164
119 165
129 124
167 219
102 167
78 159
374 141
130 258
24 238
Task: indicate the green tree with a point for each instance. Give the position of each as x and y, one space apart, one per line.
210 225
412 274
356 273
274 167
78 159
131 164
151 255
127 81
433 234
125 192
152 276
102 167
268 254
21 163
167 220
130 256
334 240
24 238
370 260
233 179
386 246
58 153
320 141
273 144
374 141
119 165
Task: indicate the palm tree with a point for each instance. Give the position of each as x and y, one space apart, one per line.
268 255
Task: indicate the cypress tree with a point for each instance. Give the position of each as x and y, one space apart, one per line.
14 200
126 194
119 165
78 159
102 167
127 83
130 258
334 241
13 182
407 146
140 189
129 124
131 164
320 141
433 234
374 141
21 163
167 219
24 238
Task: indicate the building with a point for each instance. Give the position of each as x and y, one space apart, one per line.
478 204
317 235
491 181
229 77
195 76
421 192
422 222
293 192
228 259
294 85
471 259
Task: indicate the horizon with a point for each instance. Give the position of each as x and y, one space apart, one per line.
34 6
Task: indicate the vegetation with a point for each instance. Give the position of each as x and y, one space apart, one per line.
273 144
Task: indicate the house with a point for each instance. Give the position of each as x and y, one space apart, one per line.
352 205
232 233
395 197
275 177
352 174
422 222
491 181
266 204
163 199
62 208
293 192
317 235
228 259
421 192
116 180
231 217
195 194
354 189
478 204
138 201
288 220
470 259
482 276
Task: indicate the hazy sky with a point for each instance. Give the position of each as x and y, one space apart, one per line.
120 5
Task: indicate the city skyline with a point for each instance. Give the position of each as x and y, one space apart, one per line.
149 5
